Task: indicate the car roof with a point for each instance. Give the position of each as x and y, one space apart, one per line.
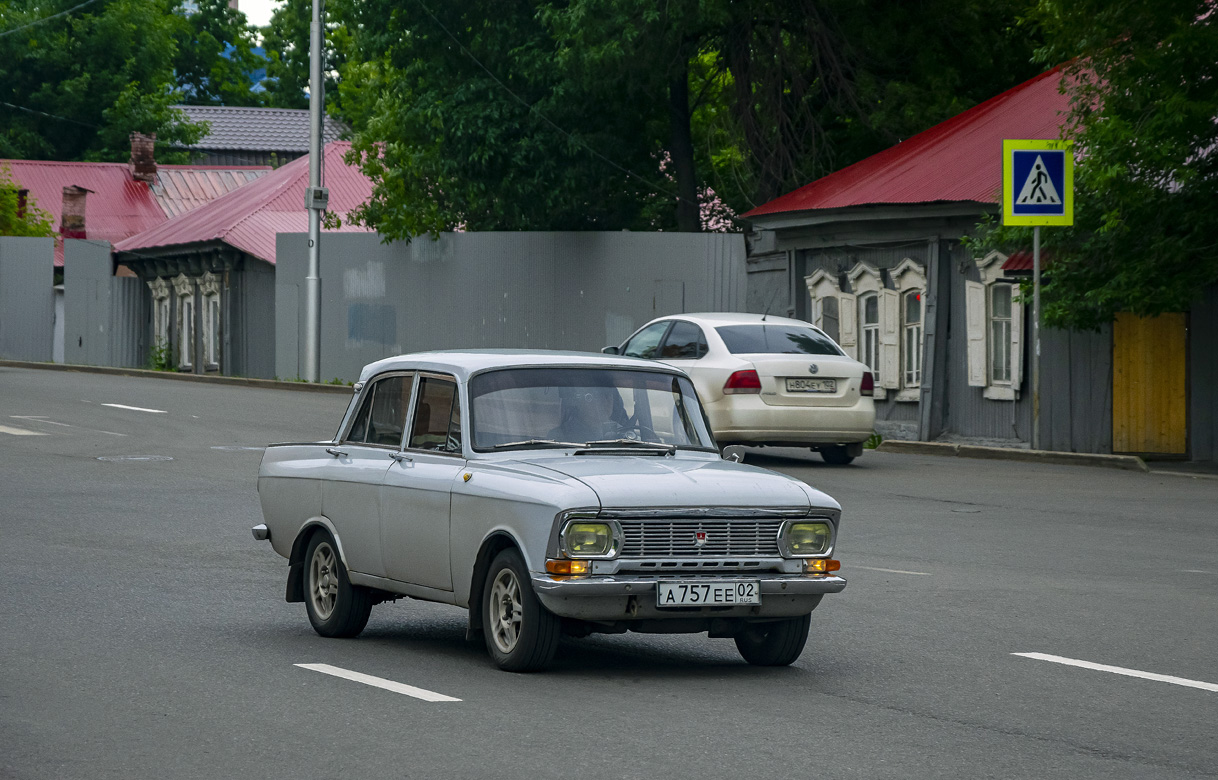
463 363
736 318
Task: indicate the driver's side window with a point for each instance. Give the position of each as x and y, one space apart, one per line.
646 342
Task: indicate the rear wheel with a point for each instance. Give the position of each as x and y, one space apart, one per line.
521 634
336 607
837 455
777 643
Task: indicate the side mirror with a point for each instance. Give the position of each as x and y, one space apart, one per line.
611 351
734 454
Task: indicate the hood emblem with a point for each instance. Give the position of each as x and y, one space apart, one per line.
699 538
812 369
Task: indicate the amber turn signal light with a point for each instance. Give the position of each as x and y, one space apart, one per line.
819 566
567 568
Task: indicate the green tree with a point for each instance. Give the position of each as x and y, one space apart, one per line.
215 55
286 41
1144 90
76 86
20 215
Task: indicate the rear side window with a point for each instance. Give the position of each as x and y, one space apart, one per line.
437 417
684 341
776 340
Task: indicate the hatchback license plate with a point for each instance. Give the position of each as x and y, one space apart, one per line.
796 385
707 594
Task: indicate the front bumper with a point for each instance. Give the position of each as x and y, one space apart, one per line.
633 597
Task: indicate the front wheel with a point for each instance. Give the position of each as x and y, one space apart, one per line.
836 456
336 607
777 643
521 634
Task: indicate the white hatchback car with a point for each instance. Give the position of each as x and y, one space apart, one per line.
766 380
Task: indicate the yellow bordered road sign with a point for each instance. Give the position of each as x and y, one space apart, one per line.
1037 182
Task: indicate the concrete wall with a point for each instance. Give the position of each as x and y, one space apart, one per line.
105 316
27 301
577 291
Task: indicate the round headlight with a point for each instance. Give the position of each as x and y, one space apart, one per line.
588 539
810 538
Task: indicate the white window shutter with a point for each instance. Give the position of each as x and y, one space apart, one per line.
890 342
818 311
1016 340
847 323
975 319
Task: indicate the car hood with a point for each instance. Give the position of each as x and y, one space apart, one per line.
649 481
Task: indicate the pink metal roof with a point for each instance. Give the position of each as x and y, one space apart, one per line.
249 217
957 160
180 188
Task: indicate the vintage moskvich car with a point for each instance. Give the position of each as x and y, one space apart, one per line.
549 493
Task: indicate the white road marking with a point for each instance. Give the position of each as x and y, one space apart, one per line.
1195 571
377 682
1167 678
892 571
44 420
137 408
20 431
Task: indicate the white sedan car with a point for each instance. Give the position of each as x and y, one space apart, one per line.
766 380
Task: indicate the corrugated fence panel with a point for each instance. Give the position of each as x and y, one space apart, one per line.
27 298
1203 376
128 322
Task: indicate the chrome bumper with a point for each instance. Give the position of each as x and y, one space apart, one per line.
626 597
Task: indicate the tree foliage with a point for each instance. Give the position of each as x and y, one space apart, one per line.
544 114
1144 107
286 41
215 55
20 216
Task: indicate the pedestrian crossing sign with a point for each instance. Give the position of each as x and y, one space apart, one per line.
1037 182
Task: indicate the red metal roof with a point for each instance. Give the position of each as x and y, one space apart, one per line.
1021 260
249 217
957 160
117 206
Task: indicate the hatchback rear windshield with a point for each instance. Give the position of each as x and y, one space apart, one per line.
776 340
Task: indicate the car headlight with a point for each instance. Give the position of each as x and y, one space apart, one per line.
807 538
582 539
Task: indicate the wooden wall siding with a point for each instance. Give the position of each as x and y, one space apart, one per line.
1203 376
1149 384
1076 390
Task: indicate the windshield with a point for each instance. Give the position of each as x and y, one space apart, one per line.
560 407
776 340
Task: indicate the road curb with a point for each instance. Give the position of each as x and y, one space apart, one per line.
268 384
1128 462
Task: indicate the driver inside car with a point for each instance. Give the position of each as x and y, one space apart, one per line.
591 414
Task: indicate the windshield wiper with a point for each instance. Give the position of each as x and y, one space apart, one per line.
649 445
537 443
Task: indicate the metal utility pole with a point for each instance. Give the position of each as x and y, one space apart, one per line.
316 199
1036 337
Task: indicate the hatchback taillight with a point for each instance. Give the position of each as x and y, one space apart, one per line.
744 381
868 386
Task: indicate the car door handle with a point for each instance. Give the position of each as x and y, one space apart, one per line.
402 457
336 452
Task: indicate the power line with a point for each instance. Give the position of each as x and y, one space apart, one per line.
50 116
532 108
47 18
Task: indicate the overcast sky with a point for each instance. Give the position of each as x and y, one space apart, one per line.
259 11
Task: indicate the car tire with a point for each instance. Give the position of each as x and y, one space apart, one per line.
836 456
336 607
777 643
521 634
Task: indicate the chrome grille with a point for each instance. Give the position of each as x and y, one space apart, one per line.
677 538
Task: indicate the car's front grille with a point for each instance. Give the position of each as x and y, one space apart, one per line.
699 538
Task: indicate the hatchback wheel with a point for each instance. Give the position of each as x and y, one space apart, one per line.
836 456
777 643
336 607
521 634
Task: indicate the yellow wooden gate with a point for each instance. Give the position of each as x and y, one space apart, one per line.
1148 384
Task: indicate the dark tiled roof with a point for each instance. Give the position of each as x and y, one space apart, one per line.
259 129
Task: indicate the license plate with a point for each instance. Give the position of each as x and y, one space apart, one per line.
797 385
707 594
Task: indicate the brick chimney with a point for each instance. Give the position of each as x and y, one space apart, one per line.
72 223
143 157
23 201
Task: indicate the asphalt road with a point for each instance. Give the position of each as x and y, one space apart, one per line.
143 632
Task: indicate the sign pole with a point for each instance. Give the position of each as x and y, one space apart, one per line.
1036 337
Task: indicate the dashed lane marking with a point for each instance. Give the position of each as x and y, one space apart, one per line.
892 571
1167 678
20 431
377 682
136 408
